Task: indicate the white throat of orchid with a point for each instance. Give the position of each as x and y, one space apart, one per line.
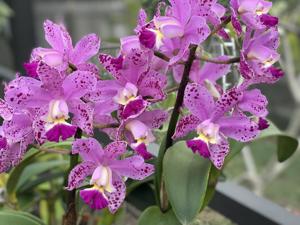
266 59
209 132
49 56
58 113
166 27
127 94
140 132
102 180
261 9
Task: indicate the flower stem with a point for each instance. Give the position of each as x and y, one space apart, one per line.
161 192
70 217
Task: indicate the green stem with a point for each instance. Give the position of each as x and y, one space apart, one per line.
70 217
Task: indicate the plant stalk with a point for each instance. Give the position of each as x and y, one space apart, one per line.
163 199
70 217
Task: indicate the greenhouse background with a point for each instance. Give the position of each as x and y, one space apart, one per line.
256 168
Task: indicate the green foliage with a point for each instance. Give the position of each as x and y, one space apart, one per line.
18 218
153 216
15 175
186 176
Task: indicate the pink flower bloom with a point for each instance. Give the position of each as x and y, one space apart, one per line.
179 25
62 55
53 97
139 131
107 172
254 13
16 134
136 83
213 127
258 55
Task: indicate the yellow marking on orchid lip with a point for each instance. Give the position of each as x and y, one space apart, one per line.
259 12
207 139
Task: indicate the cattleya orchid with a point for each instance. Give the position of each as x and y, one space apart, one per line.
62 55
174 32
63 96
54 96
108 172
254 13
213 127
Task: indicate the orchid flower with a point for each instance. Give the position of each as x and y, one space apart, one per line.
136 85
16 134
62 55
55 97
139 131
107 172
176 31
258 55
254 13
213 127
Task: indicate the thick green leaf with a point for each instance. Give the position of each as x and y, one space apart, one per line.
153 216
286 147
186 176
38 168
18 218
16 173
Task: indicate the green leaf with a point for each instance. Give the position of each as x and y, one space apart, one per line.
186 176
286 145
38 168
16 173
153 216
18 218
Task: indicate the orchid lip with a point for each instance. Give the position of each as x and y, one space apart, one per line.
127 94
102 179
209 132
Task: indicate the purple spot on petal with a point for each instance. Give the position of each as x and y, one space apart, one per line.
3 142
199 146
94 199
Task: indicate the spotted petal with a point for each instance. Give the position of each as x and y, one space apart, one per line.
218 153
198 100
116 148
79 173
86 48
89 149
185 125
133 167
116 198
78 84
57 36
239 128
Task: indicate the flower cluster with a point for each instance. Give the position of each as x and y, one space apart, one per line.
62 93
